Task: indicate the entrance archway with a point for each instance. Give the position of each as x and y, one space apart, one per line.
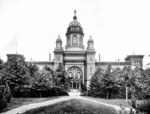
74 85
75 74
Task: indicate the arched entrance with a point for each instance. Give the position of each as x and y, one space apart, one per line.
75 74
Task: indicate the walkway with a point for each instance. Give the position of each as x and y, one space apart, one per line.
73 95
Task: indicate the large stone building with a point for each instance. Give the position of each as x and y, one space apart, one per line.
79 61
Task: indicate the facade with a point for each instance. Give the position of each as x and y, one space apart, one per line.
79 62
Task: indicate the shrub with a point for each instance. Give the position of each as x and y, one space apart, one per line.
141 105
42 92
5 95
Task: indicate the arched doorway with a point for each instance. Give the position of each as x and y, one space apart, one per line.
74 85
75 74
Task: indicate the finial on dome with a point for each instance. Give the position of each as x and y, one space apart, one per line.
75 12
90 40
59 39
75 17
90 37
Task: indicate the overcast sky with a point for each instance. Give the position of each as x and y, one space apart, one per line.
118 27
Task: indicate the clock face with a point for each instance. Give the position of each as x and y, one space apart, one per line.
90 59
57 58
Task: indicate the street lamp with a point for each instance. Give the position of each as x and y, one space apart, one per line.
127 85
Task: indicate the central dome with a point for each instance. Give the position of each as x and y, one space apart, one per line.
74 27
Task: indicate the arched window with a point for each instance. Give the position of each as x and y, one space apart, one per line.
80 41
74 73
70 74
78 75
69 41
74 41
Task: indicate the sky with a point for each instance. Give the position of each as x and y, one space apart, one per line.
118 27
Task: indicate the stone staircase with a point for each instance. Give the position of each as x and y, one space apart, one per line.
74 92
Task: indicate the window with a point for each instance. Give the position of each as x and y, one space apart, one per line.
74 73
74 42
80 41
70 74
90 69
69 41
78 75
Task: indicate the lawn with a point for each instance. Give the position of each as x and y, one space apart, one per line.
116 102
74 106
17 102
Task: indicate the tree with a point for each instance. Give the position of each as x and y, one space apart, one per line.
140 100
1 64
60 77
16 73
95 86
32 69
109 82
105 83
5 94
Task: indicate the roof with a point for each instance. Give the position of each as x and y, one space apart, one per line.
133 56
74 27
42 62
15 55
90 40
113 63
59 39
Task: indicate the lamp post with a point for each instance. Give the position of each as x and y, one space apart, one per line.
127 85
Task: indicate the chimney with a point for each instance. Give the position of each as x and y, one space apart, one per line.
49 56
99 57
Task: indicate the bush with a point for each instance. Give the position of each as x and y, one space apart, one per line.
141 105
22 91
43 92
5 95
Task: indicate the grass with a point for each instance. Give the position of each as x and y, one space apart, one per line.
116 102
17 102
74 106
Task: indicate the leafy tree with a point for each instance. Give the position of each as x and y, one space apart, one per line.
139 84
105 83
95 86
43 80
5 93
60 78
109 82
32 69
16 73
1 64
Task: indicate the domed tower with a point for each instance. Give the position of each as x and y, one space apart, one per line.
59 43
90 44
58 52
90 59
74 36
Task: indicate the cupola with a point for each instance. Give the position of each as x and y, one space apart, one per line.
74 35
59 40
59 43
90 40
90 43
74 26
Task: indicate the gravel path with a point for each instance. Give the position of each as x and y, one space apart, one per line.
24 108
